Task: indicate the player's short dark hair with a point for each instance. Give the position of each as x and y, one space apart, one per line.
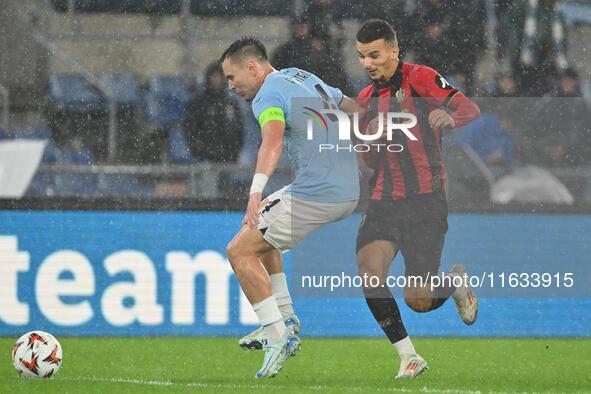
244 48
375 29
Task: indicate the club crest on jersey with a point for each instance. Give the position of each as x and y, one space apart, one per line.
400 95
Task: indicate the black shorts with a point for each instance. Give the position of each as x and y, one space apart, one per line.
416 225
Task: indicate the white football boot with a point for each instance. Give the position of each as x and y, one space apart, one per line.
277 353
411 366
466 302
257 339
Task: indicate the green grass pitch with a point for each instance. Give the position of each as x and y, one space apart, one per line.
130 365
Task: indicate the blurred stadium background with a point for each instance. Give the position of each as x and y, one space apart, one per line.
122 224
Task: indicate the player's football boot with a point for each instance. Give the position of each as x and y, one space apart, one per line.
277 353
256 339
466 302
411 367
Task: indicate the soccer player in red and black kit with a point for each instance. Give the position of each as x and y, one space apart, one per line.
408 208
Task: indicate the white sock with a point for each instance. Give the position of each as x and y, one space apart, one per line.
270 318
405 347
281 293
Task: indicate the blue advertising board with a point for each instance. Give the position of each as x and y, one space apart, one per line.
126 273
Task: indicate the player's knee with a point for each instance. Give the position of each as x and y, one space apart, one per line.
418 298
232 251
418 304
366 269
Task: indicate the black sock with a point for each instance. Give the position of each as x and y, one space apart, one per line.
442 293
385 310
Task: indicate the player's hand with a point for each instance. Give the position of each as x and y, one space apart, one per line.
251 219
438 119
261 206
263 203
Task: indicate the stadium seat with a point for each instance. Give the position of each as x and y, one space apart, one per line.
169 85
120 185
125 88
3 134
75 184
165 100
81 156
163 110
27 133
40 186
178 150
72 91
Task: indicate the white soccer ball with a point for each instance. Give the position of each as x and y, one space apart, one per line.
37 354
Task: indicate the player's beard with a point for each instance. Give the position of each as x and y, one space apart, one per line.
380 80
249 97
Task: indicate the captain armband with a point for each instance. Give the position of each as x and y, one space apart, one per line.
271 113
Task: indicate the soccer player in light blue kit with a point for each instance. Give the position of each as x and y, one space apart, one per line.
325 188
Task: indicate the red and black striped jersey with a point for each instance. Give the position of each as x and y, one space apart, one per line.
416 166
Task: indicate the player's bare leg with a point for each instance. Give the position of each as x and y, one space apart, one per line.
374 259
273 263
243 253
425 297
418 296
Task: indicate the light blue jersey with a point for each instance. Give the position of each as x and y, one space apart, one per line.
322 174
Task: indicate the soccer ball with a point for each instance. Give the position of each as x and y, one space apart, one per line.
37 354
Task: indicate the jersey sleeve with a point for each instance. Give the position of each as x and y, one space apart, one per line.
438 92
430 84
269 98
334 93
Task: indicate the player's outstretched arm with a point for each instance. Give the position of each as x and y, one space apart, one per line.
269 154
465 111
350 106
439 92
